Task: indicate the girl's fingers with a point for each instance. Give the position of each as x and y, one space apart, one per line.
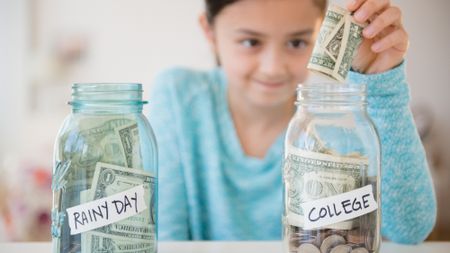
390 17
397 39
369 8
352 5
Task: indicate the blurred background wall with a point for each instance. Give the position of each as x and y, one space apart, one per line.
46 45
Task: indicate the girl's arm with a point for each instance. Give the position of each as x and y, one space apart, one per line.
408 198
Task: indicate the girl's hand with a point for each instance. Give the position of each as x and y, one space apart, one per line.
385 39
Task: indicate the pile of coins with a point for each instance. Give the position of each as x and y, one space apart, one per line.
329 241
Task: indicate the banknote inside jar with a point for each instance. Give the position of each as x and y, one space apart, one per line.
357 239
110 144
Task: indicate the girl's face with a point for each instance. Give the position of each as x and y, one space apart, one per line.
264 46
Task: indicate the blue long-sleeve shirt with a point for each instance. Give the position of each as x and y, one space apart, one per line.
209 189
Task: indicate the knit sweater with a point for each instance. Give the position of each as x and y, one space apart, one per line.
209 189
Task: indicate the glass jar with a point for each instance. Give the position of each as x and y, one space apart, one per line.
331 172
105 173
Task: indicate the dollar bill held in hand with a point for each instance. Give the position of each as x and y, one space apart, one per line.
339 38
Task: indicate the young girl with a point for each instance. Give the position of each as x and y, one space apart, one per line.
220 132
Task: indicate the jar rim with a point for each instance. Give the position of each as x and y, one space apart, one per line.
332 93
328 87
106 86
106 95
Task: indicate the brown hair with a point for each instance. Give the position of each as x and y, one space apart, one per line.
214 7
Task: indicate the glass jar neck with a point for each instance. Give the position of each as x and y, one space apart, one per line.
107 98
332 96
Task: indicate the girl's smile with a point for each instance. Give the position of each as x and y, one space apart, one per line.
263 47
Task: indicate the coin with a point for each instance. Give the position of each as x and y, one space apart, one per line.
360 250
295 241
299 237
331 242
308 248
370 240
340 232
341 249
355 236
321 235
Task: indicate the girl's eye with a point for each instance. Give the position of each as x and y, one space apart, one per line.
250 43
297 43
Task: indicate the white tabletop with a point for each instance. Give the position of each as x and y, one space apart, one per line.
233 247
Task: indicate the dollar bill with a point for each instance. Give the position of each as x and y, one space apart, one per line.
129 137
91 242
95 141
88 142
104 144
111 179
104 244
312 141
339 38
310 176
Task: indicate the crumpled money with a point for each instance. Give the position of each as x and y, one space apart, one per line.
339 37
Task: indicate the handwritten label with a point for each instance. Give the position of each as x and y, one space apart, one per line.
105 211
342 207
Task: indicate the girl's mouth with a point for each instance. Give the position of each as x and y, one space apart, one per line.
270 84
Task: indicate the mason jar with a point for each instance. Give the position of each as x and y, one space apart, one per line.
105 173
331 172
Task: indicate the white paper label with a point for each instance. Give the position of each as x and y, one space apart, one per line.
342 207
105 211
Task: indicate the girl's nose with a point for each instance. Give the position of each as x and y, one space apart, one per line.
273 63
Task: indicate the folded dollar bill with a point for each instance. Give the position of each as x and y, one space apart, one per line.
339 37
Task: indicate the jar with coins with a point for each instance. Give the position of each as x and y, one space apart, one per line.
105 173
331 173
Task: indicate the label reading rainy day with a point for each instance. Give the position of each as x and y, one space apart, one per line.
342 207
105 211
